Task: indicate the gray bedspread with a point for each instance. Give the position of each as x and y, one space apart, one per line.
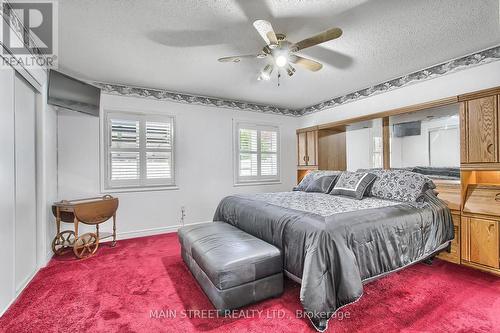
332 254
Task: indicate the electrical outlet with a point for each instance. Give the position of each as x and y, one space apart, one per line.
183 214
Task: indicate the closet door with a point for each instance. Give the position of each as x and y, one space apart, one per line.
25 183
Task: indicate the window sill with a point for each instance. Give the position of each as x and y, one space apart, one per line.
257 183
140 189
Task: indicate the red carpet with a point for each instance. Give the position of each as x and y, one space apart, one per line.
116 290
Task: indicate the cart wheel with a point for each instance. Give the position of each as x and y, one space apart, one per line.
86 245
63 241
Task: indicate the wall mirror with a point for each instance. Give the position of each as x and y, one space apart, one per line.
364 147
429 138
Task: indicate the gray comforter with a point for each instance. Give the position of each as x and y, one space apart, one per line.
333 254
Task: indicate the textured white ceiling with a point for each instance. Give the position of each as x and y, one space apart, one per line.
175 44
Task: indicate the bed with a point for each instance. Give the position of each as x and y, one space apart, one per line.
333 244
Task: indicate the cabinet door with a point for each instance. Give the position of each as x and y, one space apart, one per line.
302 149
482 141
484 245
312 148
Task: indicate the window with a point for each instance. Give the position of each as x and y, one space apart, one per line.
257 153
138 151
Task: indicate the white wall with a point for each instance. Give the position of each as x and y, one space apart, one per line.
204 163
476 78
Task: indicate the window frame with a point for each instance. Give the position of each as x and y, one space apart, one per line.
259 179
142 184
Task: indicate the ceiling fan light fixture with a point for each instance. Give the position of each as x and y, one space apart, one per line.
266 73
281 60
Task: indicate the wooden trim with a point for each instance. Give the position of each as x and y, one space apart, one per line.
464 145
479 94
307 167
480 166
393 112
481 267
480 216
464 238
386 143
316 148
307 129
446 182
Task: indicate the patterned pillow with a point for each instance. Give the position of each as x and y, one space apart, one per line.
353 184
313 175
323 184
400 185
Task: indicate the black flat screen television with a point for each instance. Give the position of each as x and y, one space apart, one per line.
67 92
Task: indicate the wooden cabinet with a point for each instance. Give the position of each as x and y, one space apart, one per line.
312 147
480 224
307 148
302 148
483 242
479 131
480 242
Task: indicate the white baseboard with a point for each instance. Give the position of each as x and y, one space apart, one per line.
150 232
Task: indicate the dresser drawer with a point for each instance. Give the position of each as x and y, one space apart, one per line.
483 199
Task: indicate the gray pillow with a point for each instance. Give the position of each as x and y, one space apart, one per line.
353 184
313 175
323 184
400 185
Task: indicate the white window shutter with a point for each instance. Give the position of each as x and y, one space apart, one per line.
140 150
257 153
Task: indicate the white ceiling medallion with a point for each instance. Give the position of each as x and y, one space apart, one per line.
475 59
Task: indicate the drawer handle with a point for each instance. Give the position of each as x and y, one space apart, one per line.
497 197
489 148
491 227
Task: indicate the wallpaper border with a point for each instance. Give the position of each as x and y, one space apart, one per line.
458 64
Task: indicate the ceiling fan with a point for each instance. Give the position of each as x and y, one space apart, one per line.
283 51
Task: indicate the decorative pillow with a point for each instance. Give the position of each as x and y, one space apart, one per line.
323 184
313 175
400 185
353 184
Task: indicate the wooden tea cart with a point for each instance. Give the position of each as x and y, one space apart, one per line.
91 211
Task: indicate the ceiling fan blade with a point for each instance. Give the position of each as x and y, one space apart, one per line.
238 58
322 37
306 63
266 31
